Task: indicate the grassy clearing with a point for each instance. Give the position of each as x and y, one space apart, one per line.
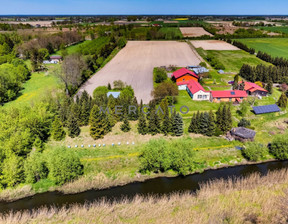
73 48
254 199
233 60
171 30
277 47
38 86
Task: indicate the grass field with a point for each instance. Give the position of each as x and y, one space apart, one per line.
74 48
280 29
277 47
169 31
233 60
36 88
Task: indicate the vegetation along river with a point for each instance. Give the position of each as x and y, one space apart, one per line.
158 186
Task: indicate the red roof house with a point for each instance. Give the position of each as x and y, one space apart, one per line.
184 75
253 89
196 91
228 96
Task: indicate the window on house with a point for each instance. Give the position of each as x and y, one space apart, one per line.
230 99
199 96
205 97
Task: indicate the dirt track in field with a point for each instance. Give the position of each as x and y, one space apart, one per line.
194 32
135 63
216 45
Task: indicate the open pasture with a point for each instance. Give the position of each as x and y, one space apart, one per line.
194 32
135 63
216 45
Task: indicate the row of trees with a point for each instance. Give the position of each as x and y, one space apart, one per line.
263 73
242 46
205 123
277 61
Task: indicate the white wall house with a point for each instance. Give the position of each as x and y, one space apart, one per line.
197 92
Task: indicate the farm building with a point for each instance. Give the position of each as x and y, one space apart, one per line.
183 75
266 109
198 69
254 90
114 94
241 134
55 59
196 91
235 96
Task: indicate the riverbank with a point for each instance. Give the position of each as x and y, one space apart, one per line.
254 199
102 182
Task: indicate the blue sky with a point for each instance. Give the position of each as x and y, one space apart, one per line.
191 7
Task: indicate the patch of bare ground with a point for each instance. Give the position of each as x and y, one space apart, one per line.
254 199
135 63
217 45
194 32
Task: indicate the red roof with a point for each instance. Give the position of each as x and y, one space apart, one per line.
183 71
252 87
183 83
195 86
229 94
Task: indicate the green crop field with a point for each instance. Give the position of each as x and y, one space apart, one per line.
277 47
281 29
171 32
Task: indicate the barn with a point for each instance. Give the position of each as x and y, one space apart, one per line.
184 75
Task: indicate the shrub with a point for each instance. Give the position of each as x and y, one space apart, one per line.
64 165
279 148
161 155
244 123
160 75
165 89
254 151
100 92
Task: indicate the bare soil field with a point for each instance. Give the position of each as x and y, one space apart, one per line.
135 63
194 32
216 45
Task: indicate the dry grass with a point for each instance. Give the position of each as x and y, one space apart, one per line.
251 200
16 193
217 45
194 32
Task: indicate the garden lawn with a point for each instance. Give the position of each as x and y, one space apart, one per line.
73 48
277 47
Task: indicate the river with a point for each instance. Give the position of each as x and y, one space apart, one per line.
152 187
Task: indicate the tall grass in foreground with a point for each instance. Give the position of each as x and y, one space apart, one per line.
254 199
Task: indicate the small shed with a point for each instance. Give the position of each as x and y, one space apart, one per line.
242 134
55 58
114 94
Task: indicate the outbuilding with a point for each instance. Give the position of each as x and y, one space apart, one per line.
184 75
55 59
235 96
241 134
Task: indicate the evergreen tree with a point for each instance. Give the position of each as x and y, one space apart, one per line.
85 113
282 102
178 125
76 111
212 125
166 123
193 126
142 125
109 86
125 127
58 132
204 123
219 119
98 123
269 87
154 123
73 126
197 123
134 116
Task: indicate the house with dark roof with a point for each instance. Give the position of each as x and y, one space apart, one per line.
235 96
198 69
241 134
196 91
254 90
184 75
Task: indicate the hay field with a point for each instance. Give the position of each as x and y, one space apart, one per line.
194 32
135 63
216 45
